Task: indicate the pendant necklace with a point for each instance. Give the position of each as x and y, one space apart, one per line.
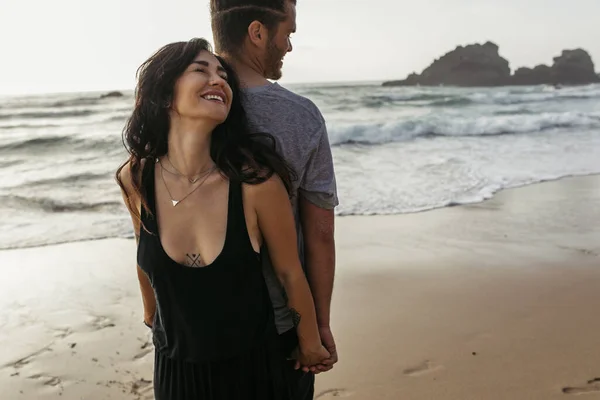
176 202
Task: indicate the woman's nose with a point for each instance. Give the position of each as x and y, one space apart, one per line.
217 80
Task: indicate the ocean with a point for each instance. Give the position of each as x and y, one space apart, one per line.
396 150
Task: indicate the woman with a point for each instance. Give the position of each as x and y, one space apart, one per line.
206 197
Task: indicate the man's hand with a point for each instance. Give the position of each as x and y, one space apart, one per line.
327 364
329 344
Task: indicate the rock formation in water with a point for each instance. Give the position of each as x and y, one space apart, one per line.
573 67
539 75
482 65
111 94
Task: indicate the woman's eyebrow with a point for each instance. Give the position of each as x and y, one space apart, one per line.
206 64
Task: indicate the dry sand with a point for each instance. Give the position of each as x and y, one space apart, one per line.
496 300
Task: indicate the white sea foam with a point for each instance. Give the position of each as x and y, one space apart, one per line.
396 150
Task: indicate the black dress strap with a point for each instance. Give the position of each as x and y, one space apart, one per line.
148 188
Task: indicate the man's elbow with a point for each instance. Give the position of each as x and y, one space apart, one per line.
321 238
317 223
319 232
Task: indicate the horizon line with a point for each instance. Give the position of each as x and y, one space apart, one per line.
130 89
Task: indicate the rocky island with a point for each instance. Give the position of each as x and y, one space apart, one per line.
482 65
111 94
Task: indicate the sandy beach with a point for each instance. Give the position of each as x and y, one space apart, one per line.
495 300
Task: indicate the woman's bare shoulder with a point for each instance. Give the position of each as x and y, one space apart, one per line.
270 185
271 193
126 177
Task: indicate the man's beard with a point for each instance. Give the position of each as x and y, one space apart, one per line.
274 56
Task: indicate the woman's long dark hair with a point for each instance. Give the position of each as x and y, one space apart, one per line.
239 154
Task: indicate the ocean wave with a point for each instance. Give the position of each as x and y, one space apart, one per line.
63 143
457 97
451 101
10 163
67 180
418 99
60 100
120 116
47 114
388 98
483 194
508 98
39 143
80 101
519 111
50 205
30 126
446 125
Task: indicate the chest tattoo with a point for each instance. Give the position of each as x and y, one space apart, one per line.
193 260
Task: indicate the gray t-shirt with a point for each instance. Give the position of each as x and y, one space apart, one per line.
301 135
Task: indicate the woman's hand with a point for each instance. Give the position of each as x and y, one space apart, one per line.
308 358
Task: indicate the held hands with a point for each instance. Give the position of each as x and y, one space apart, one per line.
329 343
326 363
308 358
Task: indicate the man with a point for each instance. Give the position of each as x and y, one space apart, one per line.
254 36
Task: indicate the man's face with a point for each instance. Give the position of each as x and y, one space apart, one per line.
280 43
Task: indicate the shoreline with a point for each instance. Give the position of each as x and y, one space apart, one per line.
433 209
493 300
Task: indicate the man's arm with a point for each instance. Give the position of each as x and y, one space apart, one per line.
319 247
317 200
319 252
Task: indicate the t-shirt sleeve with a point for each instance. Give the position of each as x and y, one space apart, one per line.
318 183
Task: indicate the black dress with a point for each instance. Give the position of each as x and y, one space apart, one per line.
213 331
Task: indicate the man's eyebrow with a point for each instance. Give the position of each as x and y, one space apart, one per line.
206 64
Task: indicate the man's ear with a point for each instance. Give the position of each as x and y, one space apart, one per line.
257 33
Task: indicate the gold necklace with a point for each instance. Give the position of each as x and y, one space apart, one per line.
190 180
176 202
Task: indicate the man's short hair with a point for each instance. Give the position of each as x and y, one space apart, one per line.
230 20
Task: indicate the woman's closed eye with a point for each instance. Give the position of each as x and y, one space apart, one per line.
223 76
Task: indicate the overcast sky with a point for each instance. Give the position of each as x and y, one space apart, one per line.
79 45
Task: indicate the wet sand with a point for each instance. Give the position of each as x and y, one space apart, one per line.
495 300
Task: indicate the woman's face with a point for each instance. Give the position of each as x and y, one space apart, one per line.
202 91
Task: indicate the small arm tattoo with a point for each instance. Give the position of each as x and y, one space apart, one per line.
193 260
295 316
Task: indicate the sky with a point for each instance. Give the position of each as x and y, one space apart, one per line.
79 45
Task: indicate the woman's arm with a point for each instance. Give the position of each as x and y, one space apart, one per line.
276 223
132 200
